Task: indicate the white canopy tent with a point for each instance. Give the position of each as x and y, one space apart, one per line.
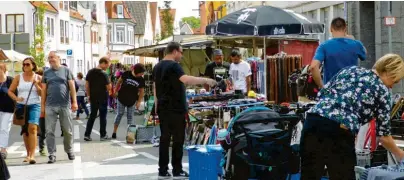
13 59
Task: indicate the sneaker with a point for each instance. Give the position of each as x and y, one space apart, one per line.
104 138
164 175
87 138
71 156
181 175
52 159
77 118
87 117
42 152
113 135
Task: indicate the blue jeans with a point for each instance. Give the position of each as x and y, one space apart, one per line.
82 105
33 112
102 107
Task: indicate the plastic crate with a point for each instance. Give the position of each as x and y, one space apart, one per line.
204 162
363 158
297 177
359 171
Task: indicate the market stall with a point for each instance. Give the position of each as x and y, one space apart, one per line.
13 60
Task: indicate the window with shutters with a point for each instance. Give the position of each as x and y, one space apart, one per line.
72 32
52 26
66 5
111 36
66 32
48 28
81 34
62 31
78 33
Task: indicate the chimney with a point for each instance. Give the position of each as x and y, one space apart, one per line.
203 16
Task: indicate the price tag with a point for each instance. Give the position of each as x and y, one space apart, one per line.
226 116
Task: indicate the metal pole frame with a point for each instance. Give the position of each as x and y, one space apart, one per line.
265 67
389 8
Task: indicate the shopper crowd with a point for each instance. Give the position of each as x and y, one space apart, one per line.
350 97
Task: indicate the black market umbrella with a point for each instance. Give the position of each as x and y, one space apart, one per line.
265 21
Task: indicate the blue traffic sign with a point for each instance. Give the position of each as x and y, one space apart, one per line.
69 52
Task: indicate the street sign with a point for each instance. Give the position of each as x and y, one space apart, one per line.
69 52
389 21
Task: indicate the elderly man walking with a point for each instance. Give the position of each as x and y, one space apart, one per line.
58 87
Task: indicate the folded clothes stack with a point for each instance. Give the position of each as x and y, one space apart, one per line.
384 172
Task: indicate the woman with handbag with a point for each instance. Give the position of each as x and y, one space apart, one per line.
6 110
28 105
351 99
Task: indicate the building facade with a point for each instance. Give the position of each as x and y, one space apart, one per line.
17 25
121 31
95 32
144 32
366 23
69 45
63 29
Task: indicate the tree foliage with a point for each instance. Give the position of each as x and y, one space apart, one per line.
193 21
168 21
37 48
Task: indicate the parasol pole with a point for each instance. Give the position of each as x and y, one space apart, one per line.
265 68
254 47
13 68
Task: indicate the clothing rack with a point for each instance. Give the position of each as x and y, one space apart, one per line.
280 66
257 75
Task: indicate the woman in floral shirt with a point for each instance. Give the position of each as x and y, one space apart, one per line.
351 99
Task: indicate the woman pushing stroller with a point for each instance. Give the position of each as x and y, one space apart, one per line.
351 99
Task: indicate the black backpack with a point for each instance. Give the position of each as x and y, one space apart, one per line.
305 84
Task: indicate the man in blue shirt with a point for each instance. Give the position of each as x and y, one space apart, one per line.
337 53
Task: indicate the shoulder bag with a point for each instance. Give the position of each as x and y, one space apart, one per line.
20 113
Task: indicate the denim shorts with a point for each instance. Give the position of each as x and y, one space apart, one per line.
33 113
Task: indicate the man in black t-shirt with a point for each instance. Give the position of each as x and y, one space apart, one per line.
97 87
130 91
169 92
218 69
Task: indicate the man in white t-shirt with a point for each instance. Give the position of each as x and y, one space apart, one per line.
240 72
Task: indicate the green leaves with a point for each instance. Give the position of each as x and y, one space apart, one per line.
193 21
168 21
37 48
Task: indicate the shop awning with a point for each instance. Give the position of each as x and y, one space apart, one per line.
12 56
197 41
146 51
187 42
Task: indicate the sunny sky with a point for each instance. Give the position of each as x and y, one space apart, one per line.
184 7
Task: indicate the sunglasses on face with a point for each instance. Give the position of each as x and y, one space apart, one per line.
26 64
